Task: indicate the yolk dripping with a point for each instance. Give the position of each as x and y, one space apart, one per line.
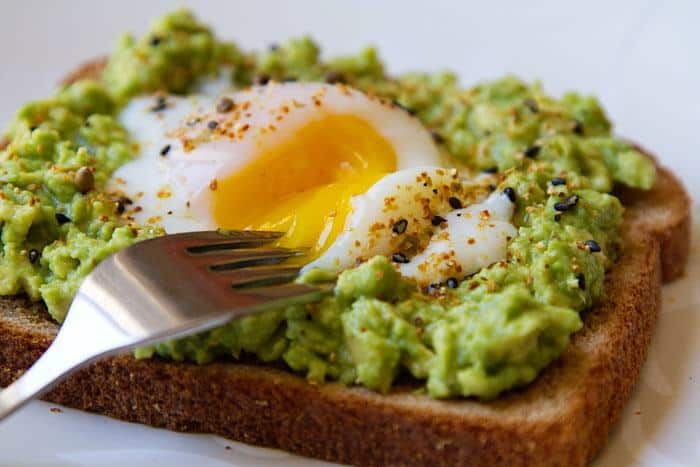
303 186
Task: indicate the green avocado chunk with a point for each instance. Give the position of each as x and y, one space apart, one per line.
495 330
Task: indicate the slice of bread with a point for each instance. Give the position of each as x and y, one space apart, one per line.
563 418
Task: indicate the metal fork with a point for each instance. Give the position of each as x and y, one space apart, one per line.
164 288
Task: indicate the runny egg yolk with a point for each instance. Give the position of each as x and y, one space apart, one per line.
303 185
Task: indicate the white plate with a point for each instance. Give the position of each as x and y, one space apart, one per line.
640 58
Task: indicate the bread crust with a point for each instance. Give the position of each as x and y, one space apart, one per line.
563 418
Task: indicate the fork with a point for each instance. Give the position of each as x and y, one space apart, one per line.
164 288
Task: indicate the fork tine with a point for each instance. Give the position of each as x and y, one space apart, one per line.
225 260
287 291
260 276
212 240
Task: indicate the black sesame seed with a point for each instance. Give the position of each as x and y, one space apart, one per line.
261 80
437 137
566 205
212 124
62 218
532 151
455 202
161 104
224 105
532 105
194 121
492 187
33 255
556 181
490 170
578 127
121 207
274 47
399 258
334 77
155 40
404 108
581 281
400 226
593 246
510 193
433 288
437 220
557 217
452 283
166 149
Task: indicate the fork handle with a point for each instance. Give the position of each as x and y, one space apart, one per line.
73 348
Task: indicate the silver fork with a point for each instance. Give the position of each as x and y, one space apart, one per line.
164 288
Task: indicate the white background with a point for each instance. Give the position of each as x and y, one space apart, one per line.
641 58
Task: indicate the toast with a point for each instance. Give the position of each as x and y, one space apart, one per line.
562 418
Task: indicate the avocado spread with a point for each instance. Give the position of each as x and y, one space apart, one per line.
495 330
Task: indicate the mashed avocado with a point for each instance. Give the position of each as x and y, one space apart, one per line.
555 158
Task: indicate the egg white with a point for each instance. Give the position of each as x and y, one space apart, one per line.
469 239
170 182
173 190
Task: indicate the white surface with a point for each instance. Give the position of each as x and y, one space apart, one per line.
641 59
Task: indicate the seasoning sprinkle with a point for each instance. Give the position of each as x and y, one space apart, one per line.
224 105
161 104
532 151
567 205
532 105
261 80
155 40
33 255
400 226
62 218
212 124
84 180
334 77
581 281
490 170
273 47
166 149
455 202
120 207
404 108
510 193
578 127
557 217
437 137
452 283
399 258
556 181
437 220
593 246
